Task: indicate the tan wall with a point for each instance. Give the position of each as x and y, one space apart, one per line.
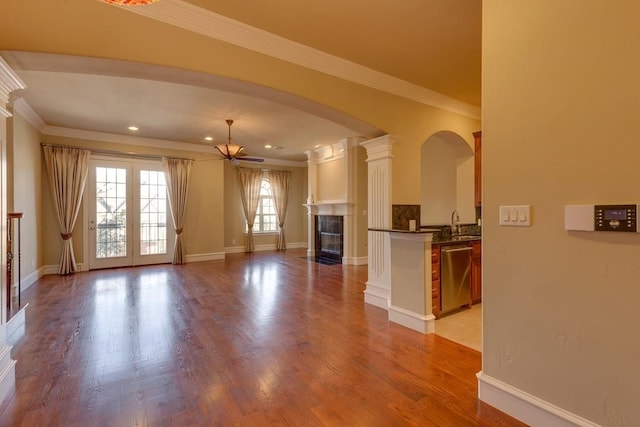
410 121
295 227
560 106
24 183
331 181
204 223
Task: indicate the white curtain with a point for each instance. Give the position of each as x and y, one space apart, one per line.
249 181
67 169
177 173
279 181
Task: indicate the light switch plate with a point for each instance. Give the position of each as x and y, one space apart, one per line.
515 215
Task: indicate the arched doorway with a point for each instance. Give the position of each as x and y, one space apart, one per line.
447 184
446 177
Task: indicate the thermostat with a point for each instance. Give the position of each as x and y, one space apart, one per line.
601 218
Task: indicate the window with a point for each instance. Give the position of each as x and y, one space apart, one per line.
265 221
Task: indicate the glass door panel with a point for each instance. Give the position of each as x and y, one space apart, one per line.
128 214
111 212
153 222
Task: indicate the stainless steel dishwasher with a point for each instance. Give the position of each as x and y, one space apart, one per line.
455 277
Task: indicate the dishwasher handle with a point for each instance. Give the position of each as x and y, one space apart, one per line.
458 249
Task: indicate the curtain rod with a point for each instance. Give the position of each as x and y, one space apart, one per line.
118 153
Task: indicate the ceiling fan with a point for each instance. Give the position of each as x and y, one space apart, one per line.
234 152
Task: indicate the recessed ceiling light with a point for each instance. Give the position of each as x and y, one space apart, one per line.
133 128
267 146
208 138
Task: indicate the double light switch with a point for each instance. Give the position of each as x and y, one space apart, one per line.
519 216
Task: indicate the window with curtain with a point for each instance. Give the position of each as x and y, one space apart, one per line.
266 220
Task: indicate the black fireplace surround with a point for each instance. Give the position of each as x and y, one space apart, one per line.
329 238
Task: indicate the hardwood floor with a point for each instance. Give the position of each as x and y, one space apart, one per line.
261 339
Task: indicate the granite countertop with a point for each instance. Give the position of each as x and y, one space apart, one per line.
397 230
440 236
445 240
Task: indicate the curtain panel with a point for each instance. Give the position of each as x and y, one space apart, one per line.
177 172
279 181
67 169
249 182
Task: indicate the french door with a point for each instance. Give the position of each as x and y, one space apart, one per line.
128 220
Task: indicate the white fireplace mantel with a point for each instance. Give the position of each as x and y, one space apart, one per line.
340 208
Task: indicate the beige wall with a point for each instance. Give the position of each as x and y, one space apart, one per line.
24 192
204 224
560 126
331 181
410 121
295 227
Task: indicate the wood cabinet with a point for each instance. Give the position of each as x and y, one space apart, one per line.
435 280
476 272
477 174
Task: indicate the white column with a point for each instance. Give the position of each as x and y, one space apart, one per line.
355 204
312 158
379 158
9 82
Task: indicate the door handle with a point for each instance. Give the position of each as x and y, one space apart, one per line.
92 225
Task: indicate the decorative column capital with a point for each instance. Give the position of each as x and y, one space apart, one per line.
9 82
379 148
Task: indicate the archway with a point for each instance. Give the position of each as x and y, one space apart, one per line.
446 179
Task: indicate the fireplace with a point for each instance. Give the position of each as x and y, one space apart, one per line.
329 238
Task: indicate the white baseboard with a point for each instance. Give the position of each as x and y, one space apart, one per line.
297 245
376 296
421 323
49 269
7 370
15 327
205 257
31 278
363 260
261 248
524 406
54 269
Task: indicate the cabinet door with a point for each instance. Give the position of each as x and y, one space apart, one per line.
476 273
477 175
435 280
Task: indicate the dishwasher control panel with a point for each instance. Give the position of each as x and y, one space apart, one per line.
601 218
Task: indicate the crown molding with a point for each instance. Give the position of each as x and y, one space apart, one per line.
124 139
150 142
205 22
21 107
9 82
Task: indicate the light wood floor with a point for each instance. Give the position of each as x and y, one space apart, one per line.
463 327
253 340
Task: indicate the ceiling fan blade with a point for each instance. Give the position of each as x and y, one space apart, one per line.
249 159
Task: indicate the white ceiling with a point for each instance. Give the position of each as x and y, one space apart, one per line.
106 96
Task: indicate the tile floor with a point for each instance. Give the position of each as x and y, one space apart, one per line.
463 327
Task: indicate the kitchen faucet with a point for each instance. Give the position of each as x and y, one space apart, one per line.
455 223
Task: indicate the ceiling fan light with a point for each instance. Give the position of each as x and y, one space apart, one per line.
229 149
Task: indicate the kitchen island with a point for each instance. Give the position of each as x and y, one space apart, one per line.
410 287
